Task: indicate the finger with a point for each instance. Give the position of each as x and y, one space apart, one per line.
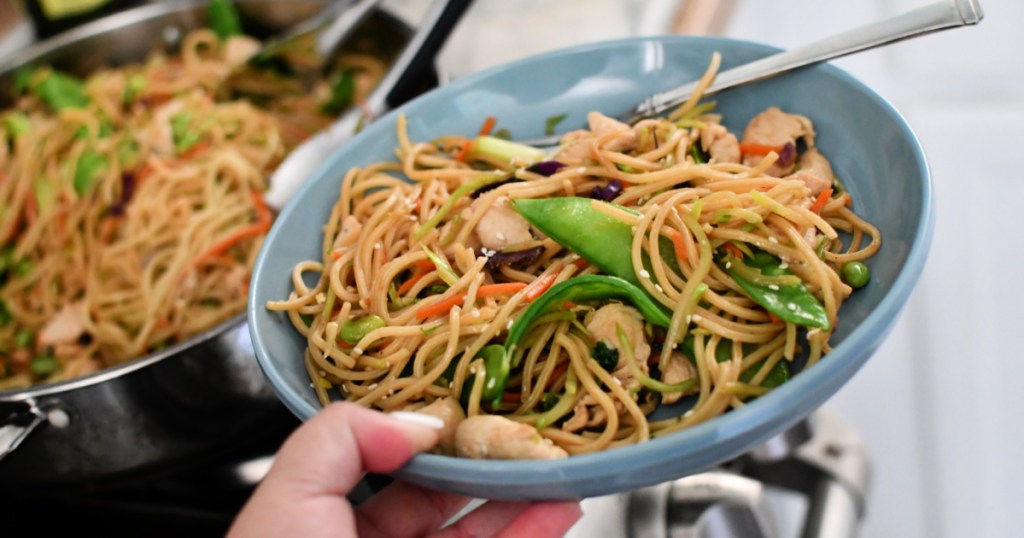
323 460
544 519
330 453
512 519
423 510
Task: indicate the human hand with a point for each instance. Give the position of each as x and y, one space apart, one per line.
304 494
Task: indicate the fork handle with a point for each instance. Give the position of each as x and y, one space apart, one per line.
926 19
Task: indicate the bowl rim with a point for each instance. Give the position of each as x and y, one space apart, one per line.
526 473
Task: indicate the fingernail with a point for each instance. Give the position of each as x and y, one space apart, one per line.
425 430
422 419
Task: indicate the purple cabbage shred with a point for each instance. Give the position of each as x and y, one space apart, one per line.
517 259
787 156
546 168
607 193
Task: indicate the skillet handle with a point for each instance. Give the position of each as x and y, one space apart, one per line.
418 60
17 426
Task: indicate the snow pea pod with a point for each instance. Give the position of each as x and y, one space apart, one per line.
586 288
496 367
789 301
571 221
778 375
598 238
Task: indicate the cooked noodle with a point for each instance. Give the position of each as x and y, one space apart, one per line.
402 258
157 242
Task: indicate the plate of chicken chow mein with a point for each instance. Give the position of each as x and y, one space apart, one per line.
641 302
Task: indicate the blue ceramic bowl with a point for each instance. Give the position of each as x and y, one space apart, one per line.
873 151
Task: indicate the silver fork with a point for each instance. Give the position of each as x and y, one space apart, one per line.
924 20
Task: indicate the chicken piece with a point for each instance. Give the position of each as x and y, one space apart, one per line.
575 146
238 50
451 413
588 414
349 234
773 127
66 327
602 326
601 125
678 369
498 438
815 171
501 227
579 419
720 143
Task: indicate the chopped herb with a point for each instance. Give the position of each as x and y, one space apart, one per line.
552 122
343 91
61 91
23 338
133 87
87 170
43 366
5 313
182 136
606 356
16 123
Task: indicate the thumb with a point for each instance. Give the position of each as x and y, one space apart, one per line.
331 452
323 460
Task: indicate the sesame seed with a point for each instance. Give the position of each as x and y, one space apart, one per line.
581 170
372 386
357 351
773 287
659 288
771 239
696 318
378 244
490 383
500 236
728 265
475 313
783 265
645 274
791 306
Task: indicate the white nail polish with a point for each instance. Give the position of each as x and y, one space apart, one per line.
422 419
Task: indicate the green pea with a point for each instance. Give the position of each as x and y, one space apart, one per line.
856 274
352 331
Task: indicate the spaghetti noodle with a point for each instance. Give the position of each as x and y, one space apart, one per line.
131 206
545 309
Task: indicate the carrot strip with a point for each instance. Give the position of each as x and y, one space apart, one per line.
557 372
453 301
423 268
821 200
758 149
467 146
678 244
732 249
511 397
539 286
774 318
263 220
194 151
488 126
